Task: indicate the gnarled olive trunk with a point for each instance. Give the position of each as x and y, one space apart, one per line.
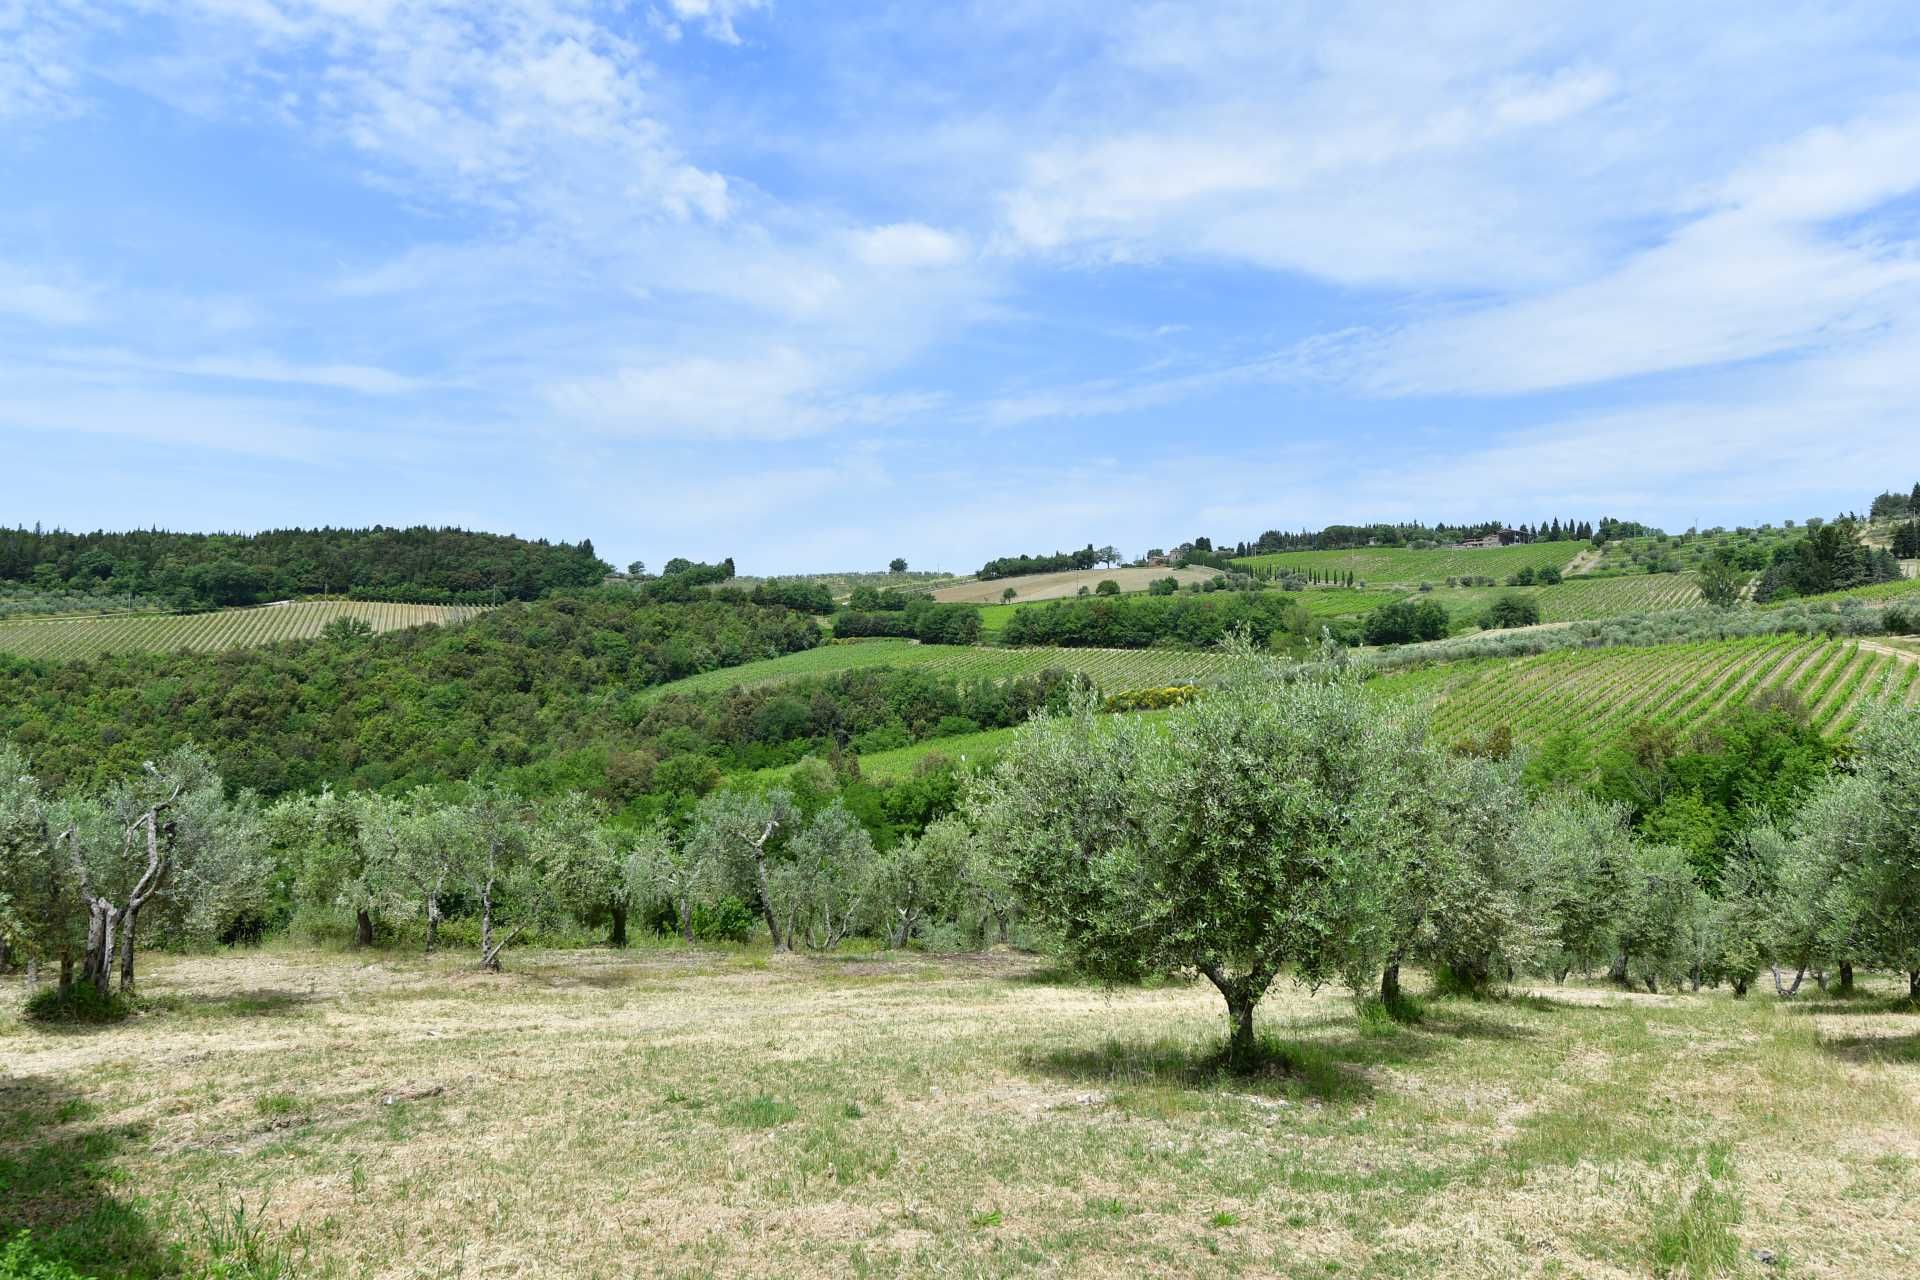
1242 995
362 928
1846 978
489 954
617 935
1390 984
126 950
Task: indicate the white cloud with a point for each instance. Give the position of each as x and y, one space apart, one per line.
31 297
261 367
777 394
908 245
1760 273
714 17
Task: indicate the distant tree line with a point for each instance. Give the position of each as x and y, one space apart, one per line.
1140 622
205 570
1343 537
920 619
1059 562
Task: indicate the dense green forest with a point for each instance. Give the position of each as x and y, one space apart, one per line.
520 685
204 570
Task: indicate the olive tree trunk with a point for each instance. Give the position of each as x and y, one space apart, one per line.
781 941
1242 995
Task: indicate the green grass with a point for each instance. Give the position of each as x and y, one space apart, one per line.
1905 591
728 1112
1575 599
69 638
1377 565
1632 555
1109 668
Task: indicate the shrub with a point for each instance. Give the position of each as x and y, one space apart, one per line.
1163 586
1511 611
1902 620
1405 622
81 1002
19 1260
1107 587
728 920
1177 695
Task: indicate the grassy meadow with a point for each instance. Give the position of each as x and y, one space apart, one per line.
1381 565
726 1112
1109 668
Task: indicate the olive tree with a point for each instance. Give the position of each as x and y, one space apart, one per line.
1233 842
921 878
1458 894
734 833
497 831
39 893
155 834
1736 933
585 864
1868 829
421 856
819 888
1658 903
1576 850
77 876
662 866
336 846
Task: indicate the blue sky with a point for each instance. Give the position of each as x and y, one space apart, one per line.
818 284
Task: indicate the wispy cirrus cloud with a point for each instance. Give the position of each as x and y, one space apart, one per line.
1165 266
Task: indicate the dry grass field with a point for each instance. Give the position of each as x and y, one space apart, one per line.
657 1112
1057 586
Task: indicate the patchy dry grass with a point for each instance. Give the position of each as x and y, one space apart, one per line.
723 1112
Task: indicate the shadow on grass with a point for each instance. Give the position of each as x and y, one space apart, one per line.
1845 1006
1874 1049
58 1174
1332 1070
264 1003
1539 1003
